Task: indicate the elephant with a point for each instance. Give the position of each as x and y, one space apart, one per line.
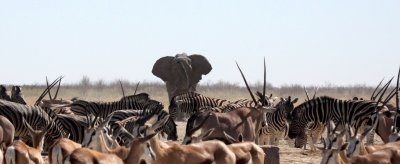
181 73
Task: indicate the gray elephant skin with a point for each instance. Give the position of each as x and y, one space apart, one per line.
181 73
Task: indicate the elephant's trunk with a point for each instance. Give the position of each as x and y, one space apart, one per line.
186 75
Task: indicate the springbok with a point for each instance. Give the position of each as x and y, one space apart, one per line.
118 154
19 152
7 131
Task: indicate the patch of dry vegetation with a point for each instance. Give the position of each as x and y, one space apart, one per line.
101 91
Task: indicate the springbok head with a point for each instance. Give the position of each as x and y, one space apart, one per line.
37 135
355 140
93 133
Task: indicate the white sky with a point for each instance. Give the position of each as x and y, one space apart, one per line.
305 42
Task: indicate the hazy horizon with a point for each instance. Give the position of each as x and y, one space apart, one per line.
304 42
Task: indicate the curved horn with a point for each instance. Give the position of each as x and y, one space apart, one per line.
305 90
315 92
122 88
373 96
58 88
49 92
247 85
265 83
397 100
137 85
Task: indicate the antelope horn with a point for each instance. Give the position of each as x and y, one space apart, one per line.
385 87
265 83
374 96
49 92
305 90
397 100
247 85
122 88
315 92
137 85
58 88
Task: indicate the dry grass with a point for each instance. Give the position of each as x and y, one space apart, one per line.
157 91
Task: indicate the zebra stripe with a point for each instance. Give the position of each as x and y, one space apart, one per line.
152 108
277 122
103 109
314 132
35 116
191 102
322 109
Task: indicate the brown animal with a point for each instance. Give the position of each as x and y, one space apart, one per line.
61 149
19 152
7 131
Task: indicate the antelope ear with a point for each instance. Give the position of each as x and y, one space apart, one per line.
295 100
344 146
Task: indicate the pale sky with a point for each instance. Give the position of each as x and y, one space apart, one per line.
305 42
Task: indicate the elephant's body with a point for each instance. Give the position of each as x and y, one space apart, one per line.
181 73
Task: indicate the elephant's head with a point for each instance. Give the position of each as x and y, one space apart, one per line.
181 72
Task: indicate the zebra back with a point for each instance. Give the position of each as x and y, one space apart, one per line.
103 109
191 102
34 116
323 109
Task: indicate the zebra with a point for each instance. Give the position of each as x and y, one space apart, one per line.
323 109
16 95
103 109
276 126
314 131
152 108
35 116
192 102
3 93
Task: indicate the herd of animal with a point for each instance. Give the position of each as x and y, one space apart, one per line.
80 131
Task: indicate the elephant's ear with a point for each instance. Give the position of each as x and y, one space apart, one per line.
162 67
200 66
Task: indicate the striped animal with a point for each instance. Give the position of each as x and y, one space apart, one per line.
325 108
35 116
312 133
277 125
103 109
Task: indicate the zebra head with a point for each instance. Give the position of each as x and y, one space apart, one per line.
286 107
3 90
297 123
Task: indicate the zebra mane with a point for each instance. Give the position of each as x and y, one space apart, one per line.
144 96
